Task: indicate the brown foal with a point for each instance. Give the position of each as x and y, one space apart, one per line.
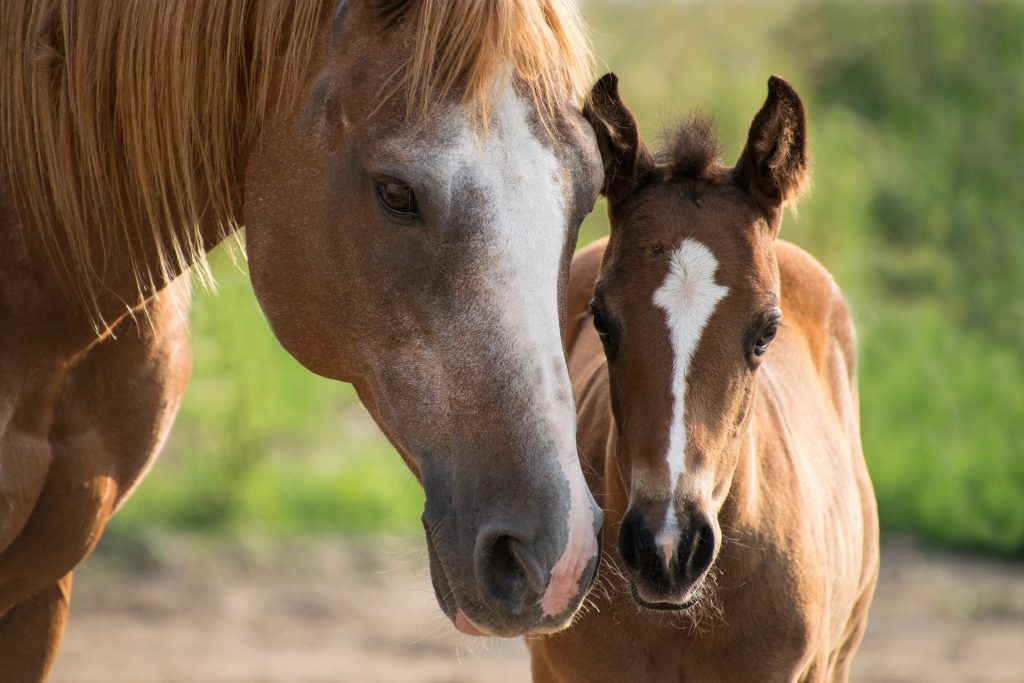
718 419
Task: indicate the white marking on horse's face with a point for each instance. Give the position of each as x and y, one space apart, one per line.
524 189
531 223
689 296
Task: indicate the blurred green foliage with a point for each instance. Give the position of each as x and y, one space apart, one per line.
941 87
917 135
261 444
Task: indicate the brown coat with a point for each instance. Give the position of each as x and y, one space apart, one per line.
797 569
718 420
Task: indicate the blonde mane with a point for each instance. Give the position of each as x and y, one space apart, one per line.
121 123
466 44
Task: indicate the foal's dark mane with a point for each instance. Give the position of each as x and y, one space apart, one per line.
691 150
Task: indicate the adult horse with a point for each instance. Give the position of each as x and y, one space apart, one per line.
717 395
411 174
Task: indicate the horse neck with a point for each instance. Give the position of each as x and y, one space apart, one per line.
744 508
743 500
161 191
32 272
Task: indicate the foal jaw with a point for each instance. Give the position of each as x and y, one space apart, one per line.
691 600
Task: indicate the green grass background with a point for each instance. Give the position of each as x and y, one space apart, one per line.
916 112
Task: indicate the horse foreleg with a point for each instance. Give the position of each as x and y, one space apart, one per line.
110 417
30 633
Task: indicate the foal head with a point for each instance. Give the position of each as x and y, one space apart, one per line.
686 306
409 230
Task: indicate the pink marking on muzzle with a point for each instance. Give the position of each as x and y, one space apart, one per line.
464 625
580 549
666 540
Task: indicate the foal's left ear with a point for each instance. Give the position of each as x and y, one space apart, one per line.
773 165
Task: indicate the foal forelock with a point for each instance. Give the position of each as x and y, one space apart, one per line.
689 296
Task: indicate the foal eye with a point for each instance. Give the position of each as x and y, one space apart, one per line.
397 198
765 338
600 324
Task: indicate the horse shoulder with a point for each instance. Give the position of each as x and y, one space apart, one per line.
109 417
131 384
33 354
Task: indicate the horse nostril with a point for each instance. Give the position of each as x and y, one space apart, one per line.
507 573
700 553
505 563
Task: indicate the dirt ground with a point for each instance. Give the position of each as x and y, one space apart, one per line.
346 611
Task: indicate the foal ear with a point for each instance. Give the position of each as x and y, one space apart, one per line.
626 159
773 165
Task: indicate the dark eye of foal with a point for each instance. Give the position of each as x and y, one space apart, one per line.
765 337
604 330
397 198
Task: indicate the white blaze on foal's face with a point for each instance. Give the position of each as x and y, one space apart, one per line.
686 305
689 296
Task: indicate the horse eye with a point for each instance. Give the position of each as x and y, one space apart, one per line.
765 338
397 198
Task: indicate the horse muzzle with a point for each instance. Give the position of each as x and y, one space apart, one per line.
516 586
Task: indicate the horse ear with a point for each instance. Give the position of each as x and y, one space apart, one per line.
773 165
626 159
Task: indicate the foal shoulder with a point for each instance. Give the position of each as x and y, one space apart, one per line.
813 303
815 308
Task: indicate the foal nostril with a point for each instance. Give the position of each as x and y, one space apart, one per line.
508 574
697 555
640 552
632 542
689 554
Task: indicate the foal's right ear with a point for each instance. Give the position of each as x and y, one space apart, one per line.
773 165
626 159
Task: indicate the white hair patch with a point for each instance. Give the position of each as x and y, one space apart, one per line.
689 296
